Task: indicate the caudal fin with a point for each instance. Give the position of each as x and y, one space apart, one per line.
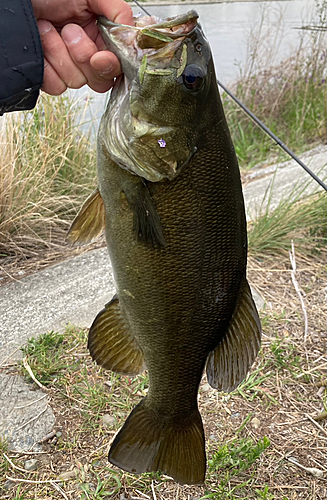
149 442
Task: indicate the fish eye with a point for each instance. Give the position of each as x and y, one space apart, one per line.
193 77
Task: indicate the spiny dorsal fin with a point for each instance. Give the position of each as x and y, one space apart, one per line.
229 363
90 220
149 441
111 344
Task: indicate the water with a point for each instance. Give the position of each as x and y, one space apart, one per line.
228 27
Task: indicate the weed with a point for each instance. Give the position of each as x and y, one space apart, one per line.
47 168
290 97
285 355
3 445
105 487
20 495
44 354
231 460
4 466
238 456
264 494
303 221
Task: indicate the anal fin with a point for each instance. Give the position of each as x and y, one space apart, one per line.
229 363
112 345
90 220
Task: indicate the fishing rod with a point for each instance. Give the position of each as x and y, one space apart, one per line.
260 124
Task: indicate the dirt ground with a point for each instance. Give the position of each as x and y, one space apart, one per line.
281 403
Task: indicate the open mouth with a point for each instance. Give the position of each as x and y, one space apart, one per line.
148 35
174 27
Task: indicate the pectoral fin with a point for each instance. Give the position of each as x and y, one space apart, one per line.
229 363
146 222
90 220
112 345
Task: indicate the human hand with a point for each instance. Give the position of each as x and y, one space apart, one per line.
72 44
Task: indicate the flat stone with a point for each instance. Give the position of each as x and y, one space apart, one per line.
69 474
31 464
206 388
258 299
24 418
108 420
255 422
9 484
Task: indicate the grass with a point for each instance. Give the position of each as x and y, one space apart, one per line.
45 356
298 218
251 432
289 97
47 168
230 461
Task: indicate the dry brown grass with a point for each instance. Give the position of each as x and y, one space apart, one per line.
47 168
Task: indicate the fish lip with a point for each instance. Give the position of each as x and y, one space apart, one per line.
150 36
124 40
182 19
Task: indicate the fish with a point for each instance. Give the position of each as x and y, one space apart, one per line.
170 199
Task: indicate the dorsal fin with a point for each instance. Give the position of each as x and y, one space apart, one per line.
229 363
90 220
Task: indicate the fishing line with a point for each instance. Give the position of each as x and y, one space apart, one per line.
273 136
142 8
260 124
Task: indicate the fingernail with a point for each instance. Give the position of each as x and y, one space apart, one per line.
103 66
106 70
72 33
44 27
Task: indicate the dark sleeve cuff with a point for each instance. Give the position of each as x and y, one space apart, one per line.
21 56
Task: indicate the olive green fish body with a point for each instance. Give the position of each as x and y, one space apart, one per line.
176 237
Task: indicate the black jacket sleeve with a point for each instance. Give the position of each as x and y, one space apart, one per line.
21 57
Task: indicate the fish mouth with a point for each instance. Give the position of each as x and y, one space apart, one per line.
151 37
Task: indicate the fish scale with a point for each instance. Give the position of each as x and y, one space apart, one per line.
176 237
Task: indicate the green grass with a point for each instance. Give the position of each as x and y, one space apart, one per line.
238 455
45 356
229 462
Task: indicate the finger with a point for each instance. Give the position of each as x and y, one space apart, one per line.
116 10
56 53
99 68
52 83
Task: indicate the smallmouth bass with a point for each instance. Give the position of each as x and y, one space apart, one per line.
170 197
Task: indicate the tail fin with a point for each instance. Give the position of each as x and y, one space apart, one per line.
149 442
